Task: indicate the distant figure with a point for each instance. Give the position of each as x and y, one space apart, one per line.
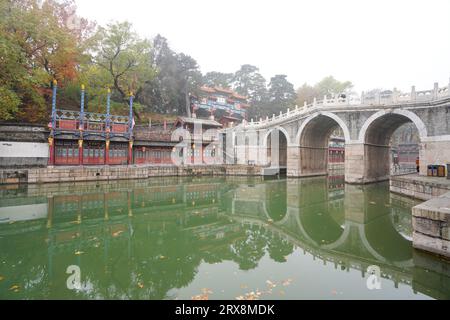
396 163
417 164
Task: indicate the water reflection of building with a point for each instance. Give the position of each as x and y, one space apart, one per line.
158 233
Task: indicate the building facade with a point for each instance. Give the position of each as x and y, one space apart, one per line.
225 105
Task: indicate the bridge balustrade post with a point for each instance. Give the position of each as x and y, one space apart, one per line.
315 102
362 97
324 100
448 90
413 93
305 105
395 95
435 90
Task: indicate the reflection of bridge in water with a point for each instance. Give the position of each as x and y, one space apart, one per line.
336 223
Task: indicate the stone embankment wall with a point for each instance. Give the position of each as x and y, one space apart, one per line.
106 173
418 187
431 225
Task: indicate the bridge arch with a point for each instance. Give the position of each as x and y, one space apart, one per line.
266 135
338 120
400 117
276 154
375 136
313 140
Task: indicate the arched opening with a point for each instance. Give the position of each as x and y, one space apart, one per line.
391 145
322 145
277 150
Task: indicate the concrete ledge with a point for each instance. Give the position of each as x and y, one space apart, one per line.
431 221
107 173
419 187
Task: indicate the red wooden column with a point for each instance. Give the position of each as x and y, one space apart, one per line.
80 152
130 152
107 151
51 146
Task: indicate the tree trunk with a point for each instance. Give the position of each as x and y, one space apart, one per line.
187 100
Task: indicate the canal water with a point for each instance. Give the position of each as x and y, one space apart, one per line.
213 238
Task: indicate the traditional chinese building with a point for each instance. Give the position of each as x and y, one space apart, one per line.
225 105
202 133
153 145
336 150
86 138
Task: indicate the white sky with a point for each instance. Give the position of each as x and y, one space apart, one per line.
373 43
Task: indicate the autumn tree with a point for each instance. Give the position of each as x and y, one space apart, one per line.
39 41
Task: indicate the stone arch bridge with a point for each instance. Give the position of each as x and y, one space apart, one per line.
367 124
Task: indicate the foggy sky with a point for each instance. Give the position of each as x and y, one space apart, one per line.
374 44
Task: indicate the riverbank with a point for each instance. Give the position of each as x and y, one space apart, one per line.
107 173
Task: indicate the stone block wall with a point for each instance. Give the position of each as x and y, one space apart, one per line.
423 189
431 221
110 173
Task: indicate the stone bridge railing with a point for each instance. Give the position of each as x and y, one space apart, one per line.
379 99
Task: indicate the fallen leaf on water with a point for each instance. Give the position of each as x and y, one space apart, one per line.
162 257
269 220
1 278
14 287
270 284
200 297
11 222
140 285
117 233
250 296
371 202
287 282
78 252
206 291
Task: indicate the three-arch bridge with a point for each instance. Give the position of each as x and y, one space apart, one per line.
301 135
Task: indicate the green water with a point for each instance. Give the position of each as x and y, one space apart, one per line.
216 238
